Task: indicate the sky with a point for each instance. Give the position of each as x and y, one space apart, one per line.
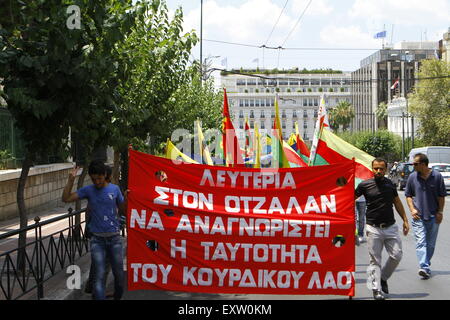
330 24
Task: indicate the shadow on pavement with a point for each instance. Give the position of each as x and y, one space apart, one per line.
407 295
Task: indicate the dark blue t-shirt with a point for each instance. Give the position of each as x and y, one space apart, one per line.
425 193
103 205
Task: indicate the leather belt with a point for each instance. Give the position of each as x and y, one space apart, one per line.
383 225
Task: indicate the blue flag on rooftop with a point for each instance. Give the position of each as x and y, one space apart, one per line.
381 34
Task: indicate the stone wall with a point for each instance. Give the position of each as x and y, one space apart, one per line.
43 189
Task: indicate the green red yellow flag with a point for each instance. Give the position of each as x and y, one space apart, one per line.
333 149
279 159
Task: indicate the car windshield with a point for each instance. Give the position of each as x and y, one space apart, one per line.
442 168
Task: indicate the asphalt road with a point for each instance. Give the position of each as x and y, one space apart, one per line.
404 284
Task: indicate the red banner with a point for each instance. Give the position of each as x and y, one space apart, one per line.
212 229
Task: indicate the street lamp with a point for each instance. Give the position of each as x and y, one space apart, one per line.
201 36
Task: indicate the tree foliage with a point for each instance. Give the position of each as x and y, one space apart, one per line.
382 143
341 115
154 60
430 102
55 78
381 113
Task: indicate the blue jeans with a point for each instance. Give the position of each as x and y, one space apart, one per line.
110 248
360 217
425 233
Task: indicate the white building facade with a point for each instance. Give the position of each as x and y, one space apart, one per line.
299 97
399 122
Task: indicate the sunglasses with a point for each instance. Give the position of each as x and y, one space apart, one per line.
416 163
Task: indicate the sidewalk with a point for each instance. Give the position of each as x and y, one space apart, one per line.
56 287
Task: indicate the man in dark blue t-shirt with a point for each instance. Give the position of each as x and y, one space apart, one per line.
425 192
104 199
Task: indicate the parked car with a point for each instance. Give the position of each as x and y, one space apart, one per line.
399 175
444 169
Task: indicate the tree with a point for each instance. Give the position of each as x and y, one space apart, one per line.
153 62
341 115
430 102
55 77
382 143
192 101
381 113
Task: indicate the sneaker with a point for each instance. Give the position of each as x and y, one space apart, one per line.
384 286
357 241
424 274
377 295
361 239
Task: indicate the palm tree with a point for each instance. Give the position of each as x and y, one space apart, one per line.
342 114
381 113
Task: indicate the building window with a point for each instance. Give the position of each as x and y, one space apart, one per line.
241 114
252 115
257 103
241 103
246 102
305 114
241 124
252 103
262 114
263 125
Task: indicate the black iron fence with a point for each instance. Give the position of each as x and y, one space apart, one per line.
25 269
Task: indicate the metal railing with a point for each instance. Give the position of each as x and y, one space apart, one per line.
27 268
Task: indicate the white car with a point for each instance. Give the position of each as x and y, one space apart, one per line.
444 169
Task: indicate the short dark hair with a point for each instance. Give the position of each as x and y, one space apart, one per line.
379 160
97 167
422 158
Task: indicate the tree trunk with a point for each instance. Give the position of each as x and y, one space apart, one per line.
26 165
80 183
116 167
124 170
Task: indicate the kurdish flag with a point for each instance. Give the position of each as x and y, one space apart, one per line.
293 157
296 142
321 122
279 159
332 149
